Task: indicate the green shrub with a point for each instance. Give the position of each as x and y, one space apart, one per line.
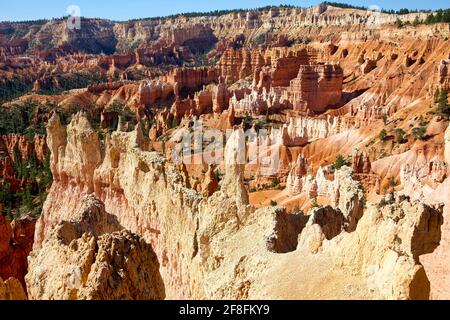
442 102
275 183
398 23
339 162
400 136
260 39
315 204
383 135
420 132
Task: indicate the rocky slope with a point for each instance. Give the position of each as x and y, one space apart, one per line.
91 257
11 289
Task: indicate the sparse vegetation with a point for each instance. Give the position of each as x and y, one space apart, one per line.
439 16
442 101
26 119
383 135
339 162
344 5
315 204
260 39
398 23
275 183
29 198
400 135
13 88
75 80
273 203
420 132
214 13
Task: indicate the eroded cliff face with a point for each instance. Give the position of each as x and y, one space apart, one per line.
383 249
220 246
102 35
90 257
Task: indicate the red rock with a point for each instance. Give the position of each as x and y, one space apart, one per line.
210 184
220 98
16 242
188 80
316 87
361 162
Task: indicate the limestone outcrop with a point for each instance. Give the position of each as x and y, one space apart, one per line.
377 248
76 152
447 146
137 186
90 257
444 73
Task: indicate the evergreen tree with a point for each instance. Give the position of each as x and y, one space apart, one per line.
400 136
443 105
437 94
339 162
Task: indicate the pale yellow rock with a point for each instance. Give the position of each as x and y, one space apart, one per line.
85 259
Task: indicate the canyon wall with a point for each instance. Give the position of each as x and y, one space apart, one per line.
220 246
98 35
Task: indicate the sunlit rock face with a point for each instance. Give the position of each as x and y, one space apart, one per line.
210 259
92 257
316 87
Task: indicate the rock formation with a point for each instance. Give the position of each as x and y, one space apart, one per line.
16 242
123 221
377 248
210 184
447 146
209 260
89 257
444 73
298 170
316 87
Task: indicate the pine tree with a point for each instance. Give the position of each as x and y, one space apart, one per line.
401 136
339 162
443 105
437 94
